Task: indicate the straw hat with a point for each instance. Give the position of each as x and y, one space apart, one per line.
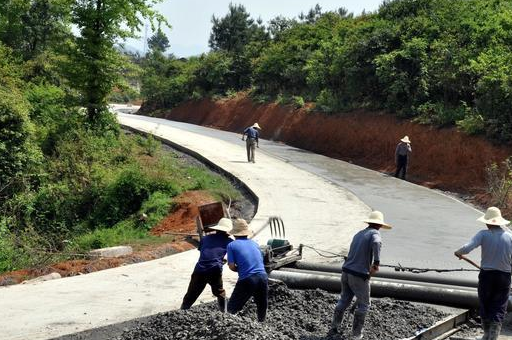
224 224
405 139
256 126
377 217
493 217
240 228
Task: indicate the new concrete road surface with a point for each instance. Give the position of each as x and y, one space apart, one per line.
316 212
427 224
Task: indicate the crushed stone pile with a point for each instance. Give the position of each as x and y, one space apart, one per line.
292 314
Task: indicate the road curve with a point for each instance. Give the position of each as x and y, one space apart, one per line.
428 225
315 211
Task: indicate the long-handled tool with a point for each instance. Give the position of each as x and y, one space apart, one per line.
462 257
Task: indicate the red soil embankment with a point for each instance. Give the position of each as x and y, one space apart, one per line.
442 158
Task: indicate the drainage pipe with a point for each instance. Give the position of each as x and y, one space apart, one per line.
337 276
423 277
380 287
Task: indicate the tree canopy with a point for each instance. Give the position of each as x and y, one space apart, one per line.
440 62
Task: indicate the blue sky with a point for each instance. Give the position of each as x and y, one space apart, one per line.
191 19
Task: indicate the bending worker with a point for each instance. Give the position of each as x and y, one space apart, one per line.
362 262
252 141
208 270
495 268
244 257
402 152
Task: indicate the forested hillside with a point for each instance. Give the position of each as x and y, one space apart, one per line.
70 180
440 62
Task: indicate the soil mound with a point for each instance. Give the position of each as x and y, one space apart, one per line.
183 217
292 314
442 158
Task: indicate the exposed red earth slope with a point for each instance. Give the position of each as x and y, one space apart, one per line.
442 158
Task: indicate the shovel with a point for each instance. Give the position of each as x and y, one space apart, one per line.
462 257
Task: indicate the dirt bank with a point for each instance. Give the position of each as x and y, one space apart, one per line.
442 158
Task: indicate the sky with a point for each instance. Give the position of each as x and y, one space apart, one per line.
191 19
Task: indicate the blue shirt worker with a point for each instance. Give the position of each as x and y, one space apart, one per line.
402 152
495 268
252 140
245 257
362 262
208 270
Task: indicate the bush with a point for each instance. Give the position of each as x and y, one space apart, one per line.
439 114
15 129
124 232
499 183
156 207
472 124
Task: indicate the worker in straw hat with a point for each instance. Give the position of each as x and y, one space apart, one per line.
252 140
402 152
361 263
245 257
495 268
208 269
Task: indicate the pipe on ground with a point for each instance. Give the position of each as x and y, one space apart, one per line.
423 277
380 287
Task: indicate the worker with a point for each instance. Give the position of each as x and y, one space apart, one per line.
495 268
208 269
361 263
245 257
402 152
252 140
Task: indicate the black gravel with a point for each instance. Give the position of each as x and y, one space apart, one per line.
301 315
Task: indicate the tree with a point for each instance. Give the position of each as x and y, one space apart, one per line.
95 62
159 41
234 31
31 27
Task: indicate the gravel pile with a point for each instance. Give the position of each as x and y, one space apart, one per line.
297 315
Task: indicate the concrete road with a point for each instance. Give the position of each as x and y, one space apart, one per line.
428 225
316 212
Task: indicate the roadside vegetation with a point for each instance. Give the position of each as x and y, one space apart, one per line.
439 62
70 179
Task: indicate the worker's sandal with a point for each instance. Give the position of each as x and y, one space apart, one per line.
494 331
357 326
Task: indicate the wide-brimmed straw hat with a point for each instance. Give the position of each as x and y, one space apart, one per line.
224 224
240 228
256 126
405 139
493 217
376 217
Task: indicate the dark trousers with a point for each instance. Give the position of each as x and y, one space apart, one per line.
197 284
401 166
250 145
493 292
254 286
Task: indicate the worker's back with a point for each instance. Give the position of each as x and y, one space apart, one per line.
361 253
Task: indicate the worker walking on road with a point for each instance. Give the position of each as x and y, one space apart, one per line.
362 262
402 152
208 270
495 268
252 140
245 257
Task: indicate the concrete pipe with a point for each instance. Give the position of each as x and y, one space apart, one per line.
391 274
338 275
380 287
